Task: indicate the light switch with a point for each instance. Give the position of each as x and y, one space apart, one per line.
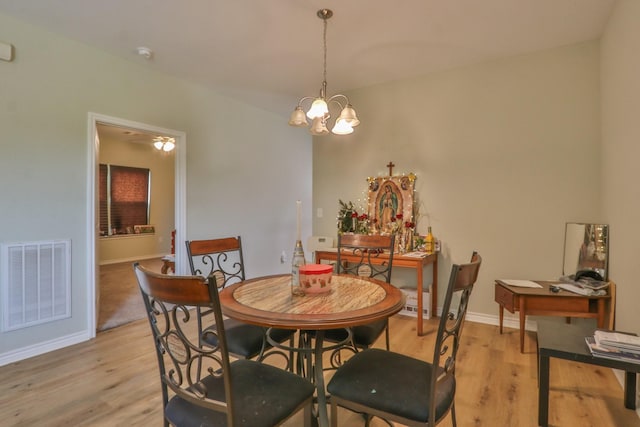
6 52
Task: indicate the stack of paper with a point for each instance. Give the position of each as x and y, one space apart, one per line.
521 283
615 345
576 289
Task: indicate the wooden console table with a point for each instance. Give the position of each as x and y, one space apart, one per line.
543 302
417 263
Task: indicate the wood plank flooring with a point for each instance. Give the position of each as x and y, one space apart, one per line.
113 381
120 300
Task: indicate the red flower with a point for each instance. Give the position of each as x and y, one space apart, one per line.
399 216
409 224
375 220
393 219
354 214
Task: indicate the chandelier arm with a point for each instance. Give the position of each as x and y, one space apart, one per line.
339 95
304 99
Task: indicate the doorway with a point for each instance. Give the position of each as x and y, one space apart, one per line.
133 130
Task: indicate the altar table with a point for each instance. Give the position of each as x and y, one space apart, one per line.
399 260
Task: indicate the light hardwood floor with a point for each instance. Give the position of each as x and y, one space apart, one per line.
113 381
120 300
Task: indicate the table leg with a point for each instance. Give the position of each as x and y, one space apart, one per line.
323 418
501 317
523 318
419 287
630 390
543 391
434 287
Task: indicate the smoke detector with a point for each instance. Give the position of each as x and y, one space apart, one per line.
144 52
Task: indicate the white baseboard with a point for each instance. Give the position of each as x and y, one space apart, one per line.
131 259
512 322
43 347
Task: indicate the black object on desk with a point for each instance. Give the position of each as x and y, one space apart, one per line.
567 341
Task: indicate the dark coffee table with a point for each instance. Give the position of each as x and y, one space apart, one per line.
566 341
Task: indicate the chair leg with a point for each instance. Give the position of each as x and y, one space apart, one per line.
308 415
334 414
453 414
386 332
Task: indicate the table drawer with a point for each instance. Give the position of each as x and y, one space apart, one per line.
506 298
557 304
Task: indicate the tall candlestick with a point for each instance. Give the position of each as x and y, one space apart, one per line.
298 204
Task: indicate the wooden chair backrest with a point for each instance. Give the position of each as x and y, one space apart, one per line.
222 258
367 251
184 363
461 282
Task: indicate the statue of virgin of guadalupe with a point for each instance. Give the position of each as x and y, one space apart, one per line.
387 208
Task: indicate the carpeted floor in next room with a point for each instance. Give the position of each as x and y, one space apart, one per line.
120 300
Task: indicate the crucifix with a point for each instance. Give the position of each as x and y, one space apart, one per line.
390 166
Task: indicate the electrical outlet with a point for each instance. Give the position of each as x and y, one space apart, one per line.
283 257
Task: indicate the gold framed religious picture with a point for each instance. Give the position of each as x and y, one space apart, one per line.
390 202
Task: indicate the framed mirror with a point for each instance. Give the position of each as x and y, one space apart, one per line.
586 247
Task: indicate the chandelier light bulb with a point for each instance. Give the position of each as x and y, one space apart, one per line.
342 127
298 118
318 109
349 115
319 127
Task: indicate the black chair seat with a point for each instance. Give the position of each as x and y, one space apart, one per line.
363 336
375 378
259 397
246 340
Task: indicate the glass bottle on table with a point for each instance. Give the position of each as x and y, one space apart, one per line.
429 241
297 261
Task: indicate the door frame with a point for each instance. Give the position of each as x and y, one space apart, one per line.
93 224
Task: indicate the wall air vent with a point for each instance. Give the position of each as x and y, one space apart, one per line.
35 283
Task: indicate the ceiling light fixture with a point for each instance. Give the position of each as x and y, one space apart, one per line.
319 111
164 143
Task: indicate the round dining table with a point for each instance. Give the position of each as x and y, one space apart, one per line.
351 301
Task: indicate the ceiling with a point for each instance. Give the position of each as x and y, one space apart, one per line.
269 53
108 132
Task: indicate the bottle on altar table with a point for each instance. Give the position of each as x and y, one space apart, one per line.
429 241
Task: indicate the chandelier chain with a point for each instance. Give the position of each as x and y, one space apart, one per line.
324 37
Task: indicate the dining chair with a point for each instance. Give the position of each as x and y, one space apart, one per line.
404 389
206 388
366 250
223 259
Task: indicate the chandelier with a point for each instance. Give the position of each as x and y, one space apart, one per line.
164 143
319 111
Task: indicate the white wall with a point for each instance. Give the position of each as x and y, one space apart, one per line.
620 154
245 166
506 152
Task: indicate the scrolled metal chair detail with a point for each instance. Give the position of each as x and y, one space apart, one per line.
208 388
